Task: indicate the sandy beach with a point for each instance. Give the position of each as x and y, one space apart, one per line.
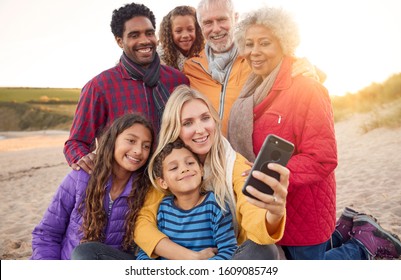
33 165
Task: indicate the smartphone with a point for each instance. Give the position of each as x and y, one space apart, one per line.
274 149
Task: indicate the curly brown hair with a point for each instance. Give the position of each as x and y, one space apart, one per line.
170 49
92 208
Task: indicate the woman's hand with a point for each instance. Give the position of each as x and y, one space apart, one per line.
275 204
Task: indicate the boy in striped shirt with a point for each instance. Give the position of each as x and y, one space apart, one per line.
190 216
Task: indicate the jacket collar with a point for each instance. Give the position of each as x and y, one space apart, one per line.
124 73
284 79
201 60
128 186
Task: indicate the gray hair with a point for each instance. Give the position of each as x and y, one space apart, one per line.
204 5
278 21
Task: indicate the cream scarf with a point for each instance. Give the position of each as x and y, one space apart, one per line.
240 123
229 165
230 157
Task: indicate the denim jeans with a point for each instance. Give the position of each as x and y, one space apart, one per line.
312 252
99 251
332 249
350 250
249 250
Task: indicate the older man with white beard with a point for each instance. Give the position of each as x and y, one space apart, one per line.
219 72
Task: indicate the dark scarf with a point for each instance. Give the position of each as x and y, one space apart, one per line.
151 77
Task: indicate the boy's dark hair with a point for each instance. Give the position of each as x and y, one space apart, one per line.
127 12
160 157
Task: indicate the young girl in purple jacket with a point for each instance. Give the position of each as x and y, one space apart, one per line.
102 206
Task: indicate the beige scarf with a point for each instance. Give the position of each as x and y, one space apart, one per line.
240 123
219 65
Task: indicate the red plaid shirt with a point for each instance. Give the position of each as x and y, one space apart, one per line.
108 96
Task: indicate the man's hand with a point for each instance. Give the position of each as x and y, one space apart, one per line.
86 162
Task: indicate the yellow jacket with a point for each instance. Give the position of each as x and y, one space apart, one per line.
221 96
251 219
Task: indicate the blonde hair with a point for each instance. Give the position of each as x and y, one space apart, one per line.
171 125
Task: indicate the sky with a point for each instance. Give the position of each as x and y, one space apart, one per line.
65 43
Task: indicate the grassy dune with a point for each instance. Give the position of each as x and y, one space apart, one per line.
37 108
54 108
382 100
39 94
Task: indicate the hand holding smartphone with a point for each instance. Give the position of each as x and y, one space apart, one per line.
274 149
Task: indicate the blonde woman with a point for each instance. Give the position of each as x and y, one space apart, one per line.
259 223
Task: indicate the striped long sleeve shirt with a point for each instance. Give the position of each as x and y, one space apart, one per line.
201 227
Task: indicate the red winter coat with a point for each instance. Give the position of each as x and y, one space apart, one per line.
299 110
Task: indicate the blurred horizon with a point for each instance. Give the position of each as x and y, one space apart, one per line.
78 88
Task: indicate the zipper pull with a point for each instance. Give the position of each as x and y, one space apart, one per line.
279 119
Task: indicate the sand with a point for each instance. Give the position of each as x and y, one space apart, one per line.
33 165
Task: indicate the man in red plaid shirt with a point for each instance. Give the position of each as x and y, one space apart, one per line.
138 83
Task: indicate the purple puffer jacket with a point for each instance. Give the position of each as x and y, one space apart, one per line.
60 232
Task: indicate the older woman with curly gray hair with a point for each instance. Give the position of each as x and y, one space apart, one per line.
299 110
280 23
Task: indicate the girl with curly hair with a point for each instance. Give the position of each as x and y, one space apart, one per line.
99 209
180 37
